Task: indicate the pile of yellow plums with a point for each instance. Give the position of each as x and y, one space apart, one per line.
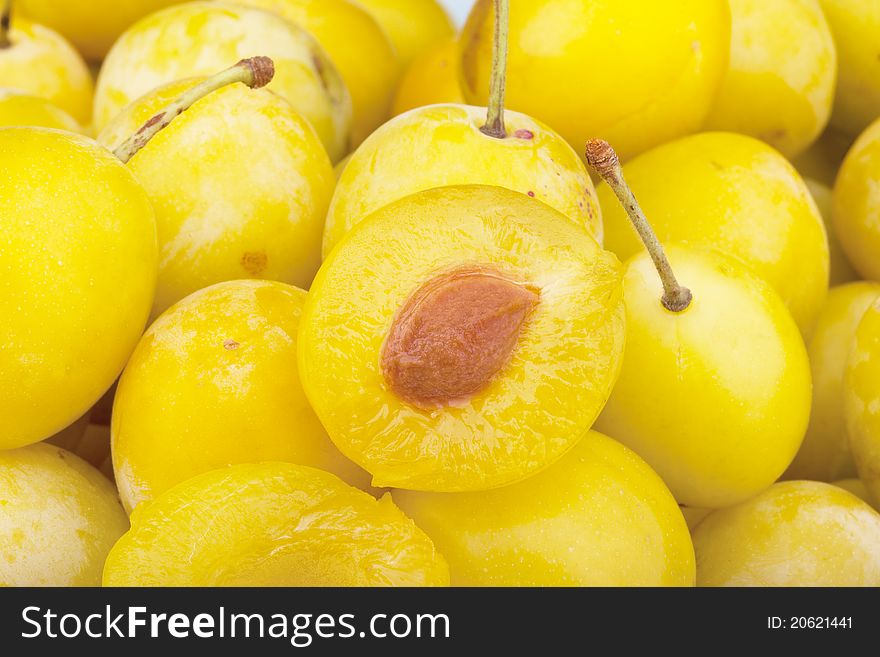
323 293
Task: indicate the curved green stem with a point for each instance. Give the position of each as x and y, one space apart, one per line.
604 161
5 20
255 72
495 117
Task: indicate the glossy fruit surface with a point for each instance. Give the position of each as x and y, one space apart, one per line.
19 109
240 183
431 79
855 25
862 400
272 524
841 270
736 194
796 533
40 62
560 369
650 78
825 453
680 397
779 86
856 211
358 47
414 26
79 254
59 517
214 382
597 517
201 38
442 145
91 25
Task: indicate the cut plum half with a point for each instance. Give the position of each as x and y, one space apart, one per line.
462 338
272 524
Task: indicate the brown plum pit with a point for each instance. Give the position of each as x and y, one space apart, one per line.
454 335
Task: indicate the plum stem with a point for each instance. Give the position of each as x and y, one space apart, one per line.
5 21
604 161
255 72
495 116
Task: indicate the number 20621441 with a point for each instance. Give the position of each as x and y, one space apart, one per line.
810 623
